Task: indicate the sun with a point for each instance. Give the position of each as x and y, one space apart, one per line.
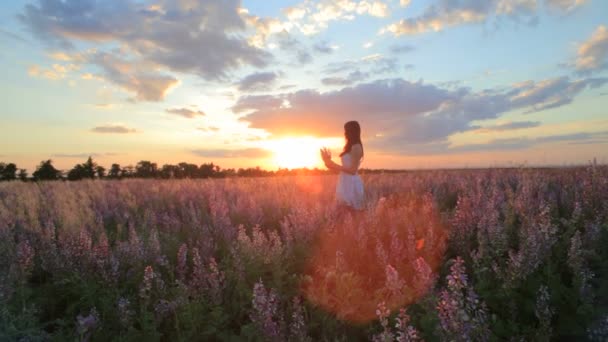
299 152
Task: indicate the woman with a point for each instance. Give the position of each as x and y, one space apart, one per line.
349 191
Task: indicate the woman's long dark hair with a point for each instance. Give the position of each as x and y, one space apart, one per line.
352 132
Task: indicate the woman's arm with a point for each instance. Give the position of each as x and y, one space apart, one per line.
356 153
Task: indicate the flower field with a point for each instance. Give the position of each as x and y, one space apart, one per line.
462 255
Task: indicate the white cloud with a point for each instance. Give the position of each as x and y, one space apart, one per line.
593 53
445 14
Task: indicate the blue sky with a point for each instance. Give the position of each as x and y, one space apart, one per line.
433 83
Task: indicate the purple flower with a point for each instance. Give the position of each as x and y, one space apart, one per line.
264 313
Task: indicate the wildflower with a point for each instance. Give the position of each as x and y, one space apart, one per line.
125 313
423 279
146 286
264 312
182 258
215 282
405 332
393 283
543 311
382 312
462 316
25 257
85 325
197 281
297 327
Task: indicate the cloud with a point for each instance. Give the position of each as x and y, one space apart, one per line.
324 47
186 112
55 72
404 115
259 81
225 153
401 49
509 126
311 18
208 129
12 35
527 142
263 27
205 38
353 77
375 64
113 128
593 53
136 78
84 155
564 5
447 13
289 44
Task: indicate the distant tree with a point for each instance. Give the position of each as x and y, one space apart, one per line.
207 170
115 171
146 169
127 172
46 171
8 171
100 171
23 175
77 172
169 171
187 170
84 170
89 168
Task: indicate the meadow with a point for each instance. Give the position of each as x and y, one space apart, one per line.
460 255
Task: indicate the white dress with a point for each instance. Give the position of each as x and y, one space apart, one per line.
349 190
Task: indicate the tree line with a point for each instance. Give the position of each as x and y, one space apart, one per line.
143 169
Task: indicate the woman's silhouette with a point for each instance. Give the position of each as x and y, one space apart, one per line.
349 190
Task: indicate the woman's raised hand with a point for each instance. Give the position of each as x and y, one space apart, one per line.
325 154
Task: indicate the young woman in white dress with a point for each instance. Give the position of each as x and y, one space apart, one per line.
349 190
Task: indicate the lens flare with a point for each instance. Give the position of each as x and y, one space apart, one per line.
388 254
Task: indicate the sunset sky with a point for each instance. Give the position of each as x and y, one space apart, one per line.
433 83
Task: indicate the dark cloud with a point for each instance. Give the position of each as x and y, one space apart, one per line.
291 45
403 115
353 77
113 129
313 112
259 81
401 48
198 37
186 112
224 153
145 84
323 47
375 64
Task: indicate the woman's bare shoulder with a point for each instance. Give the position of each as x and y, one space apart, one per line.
357 147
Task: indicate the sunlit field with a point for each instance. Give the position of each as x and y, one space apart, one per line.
469 255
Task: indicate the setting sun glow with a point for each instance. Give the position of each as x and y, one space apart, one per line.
299 152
